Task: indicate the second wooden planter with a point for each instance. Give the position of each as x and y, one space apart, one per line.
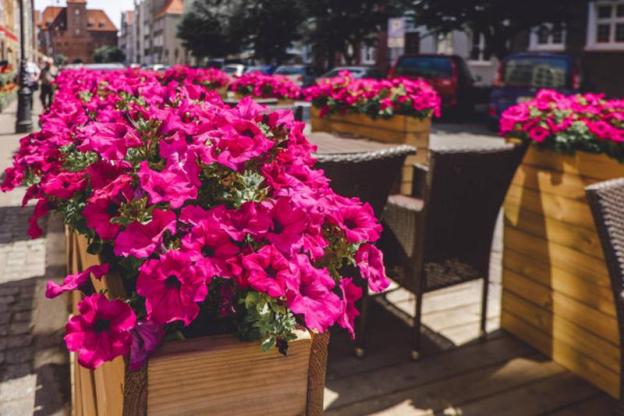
212 375
556 288
397 129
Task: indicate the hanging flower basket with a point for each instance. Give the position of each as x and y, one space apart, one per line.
197 233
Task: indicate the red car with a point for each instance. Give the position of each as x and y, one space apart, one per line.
448 74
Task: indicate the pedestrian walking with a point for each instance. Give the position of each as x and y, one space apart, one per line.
47 76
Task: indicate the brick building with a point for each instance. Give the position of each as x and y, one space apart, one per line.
74 32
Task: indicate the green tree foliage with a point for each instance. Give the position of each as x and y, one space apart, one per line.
205 29
340 27
105 54
499 21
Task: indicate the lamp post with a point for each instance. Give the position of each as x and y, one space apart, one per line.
24 122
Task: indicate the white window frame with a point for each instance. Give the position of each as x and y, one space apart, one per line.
550 45
367 55
480 61
593 21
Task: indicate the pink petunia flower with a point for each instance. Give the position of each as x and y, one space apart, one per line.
351 293
268 271
370 262
101 331
75 281
172 185
172 287
146 337
140 240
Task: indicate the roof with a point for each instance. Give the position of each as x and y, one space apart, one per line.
171 7
49 14
98 21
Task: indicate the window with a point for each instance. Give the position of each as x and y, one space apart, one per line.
605 29
547 37
478 51
367 55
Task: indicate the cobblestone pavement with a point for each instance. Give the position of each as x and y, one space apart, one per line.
32 360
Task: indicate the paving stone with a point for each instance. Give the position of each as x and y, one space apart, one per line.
19 355
18 388
18 328
17 341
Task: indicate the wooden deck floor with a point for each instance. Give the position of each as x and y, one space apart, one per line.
457 375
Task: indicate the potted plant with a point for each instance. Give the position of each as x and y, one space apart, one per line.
259 85
556 288
394 110
204 248
211 79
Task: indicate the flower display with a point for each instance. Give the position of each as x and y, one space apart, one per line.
259 85
586 122
375 98
212 217
211 78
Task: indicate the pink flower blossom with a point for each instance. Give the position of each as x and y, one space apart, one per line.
101 330
351 293
172 185
140 240
146 337
268 271
370 262
172 287
75 281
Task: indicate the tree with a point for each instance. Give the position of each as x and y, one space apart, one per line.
499 21
108 54
205 29
268 27
341 27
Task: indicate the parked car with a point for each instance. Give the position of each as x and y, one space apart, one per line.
356 72
300 74
265 69
234 70
520 75
448 74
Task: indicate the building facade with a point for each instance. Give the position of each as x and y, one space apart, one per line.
10 31
126 40
73 33
152 31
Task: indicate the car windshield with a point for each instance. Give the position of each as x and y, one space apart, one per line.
425 66
356 72
536 72
289 70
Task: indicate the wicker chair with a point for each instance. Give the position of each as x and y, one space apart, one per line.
445 237
358 174
606 200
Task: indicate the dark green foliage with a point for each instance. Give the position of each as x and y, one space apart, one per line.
105 54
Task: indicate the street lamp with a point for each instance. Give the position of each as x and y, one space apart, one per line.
24 122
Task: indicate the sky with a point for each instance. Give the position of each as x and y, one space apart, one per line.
113 8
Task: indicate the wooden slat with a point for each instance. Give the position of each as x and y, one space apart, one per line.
533 399
599 405
581 239
223 376
435 397
594 296
567 185
564 354
351 389
396 123
556 326
585 164
549 252
550 205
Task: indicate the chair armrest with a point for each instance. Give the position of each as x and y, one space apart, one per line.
402 221
419 181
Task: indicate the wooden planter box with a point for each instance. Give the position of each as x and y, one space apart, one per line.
213 375
279 101
398 129
556 289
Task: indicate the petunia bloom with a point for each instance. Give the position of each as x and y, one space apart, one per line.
101 330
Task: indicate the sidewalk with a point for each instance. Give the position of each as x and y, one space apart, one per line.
34 377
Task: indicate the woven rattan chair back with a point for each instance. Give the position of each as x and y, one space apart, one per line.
606 200
371 175
466 188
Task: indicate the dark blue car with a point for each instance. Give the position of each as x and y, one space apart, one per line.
521 75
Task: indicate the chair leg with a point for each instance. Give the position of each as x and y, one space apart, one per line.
417 327
360 331
484 306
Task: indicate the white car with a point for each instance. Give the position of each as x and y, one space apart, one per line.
234 70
